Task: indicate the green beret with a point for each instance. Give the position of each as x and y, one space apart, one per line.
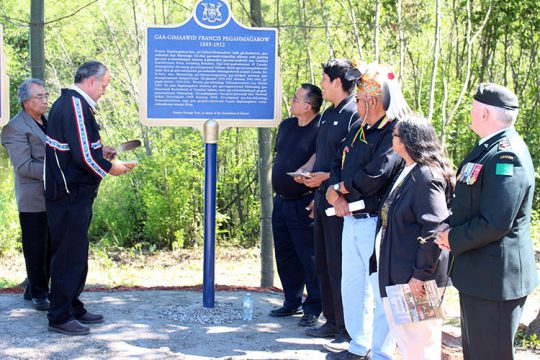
496 95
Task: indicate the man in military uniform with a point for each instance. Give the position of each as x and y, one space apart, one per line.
488 232
76 162
292 225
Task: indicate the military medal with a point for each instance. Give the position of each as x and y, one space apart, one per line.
465 172
474 174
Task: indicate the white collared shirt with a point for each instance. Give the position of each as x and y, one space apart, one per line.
88 99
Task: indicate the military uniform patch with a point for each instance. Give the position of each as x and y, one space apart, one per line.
504 169
504 144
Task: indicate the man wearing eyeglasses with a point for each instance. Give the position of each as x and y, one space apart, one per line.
292 223
361 173
24 138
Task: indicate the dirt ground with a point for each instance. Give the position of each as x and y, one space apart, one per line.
161 324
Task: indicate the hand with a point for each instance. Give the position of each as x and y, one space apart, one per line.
331 195
300 179
316 179
118 168
442 239
342 188
417 287
130 164
342 207
311 209
109 152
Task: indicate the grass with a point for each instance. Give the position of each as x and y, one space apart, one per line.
177 268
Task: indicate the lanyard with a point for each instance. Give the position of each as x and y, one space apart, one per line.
360 133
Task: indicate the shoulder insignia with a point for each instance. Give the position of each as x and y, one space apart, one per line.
504 144
504 169
507 157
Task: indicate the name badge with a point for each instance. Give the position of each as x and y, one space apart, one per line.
335 123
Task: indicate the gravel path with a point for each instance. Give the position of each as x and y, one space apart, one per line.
158 325
164 325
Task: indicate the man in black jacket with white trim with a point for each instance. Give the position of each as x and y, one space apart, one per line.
75 163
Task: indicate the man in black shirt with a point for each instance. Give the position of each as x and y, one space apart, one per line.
292 224
335 123
362 171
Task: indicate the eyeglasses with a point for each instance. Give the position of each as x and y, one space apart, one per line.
396 135
295 100
41 97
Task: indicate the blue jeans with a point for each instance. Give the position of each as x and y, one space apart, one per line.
368 329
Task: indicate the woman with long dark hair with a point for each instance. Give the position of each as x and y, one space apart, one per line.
413 207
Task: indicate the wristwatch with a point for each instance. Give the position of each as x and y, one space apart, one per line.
336 189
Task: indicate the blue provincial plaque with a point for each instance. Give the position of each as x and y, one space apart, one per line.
211 67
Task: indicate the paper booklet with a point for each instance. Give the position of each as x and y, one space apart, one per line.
354 206
408 307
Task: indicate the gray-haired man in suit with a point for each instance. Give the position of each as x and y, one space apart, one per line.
24 139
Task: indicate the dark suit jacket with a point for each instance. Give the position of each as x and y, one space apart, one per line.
417 210
25 143
490 222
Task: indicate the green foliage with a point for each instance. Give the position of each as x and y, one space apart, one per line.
160 204
9 216
526 341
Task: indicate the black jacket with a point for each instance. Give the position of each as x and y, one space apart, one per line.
490 222
74 157
417 210
334 124
367 167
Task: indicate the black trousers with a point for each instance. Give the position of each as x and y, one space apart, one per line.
488 327
328 232
36 244
294 249
69 219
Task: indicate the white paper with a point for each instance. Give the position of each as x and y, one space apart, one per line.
301 174
354 206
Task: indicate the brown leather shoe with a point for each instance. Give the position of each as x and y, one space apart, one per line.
72 327
90 318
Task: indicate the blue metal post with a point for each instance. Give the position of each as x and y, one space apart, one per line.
211 132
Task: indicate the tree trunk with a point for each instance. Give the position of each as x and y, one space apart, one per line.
376 29
37 39
435 60
265 184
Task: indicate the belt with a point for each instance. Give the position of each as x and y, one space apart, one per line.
364 215
296 197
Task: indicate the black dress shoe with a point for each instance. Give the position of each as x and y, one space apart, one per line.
41 304
324 331
283 311
90 318
308 320
346 355
72 327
